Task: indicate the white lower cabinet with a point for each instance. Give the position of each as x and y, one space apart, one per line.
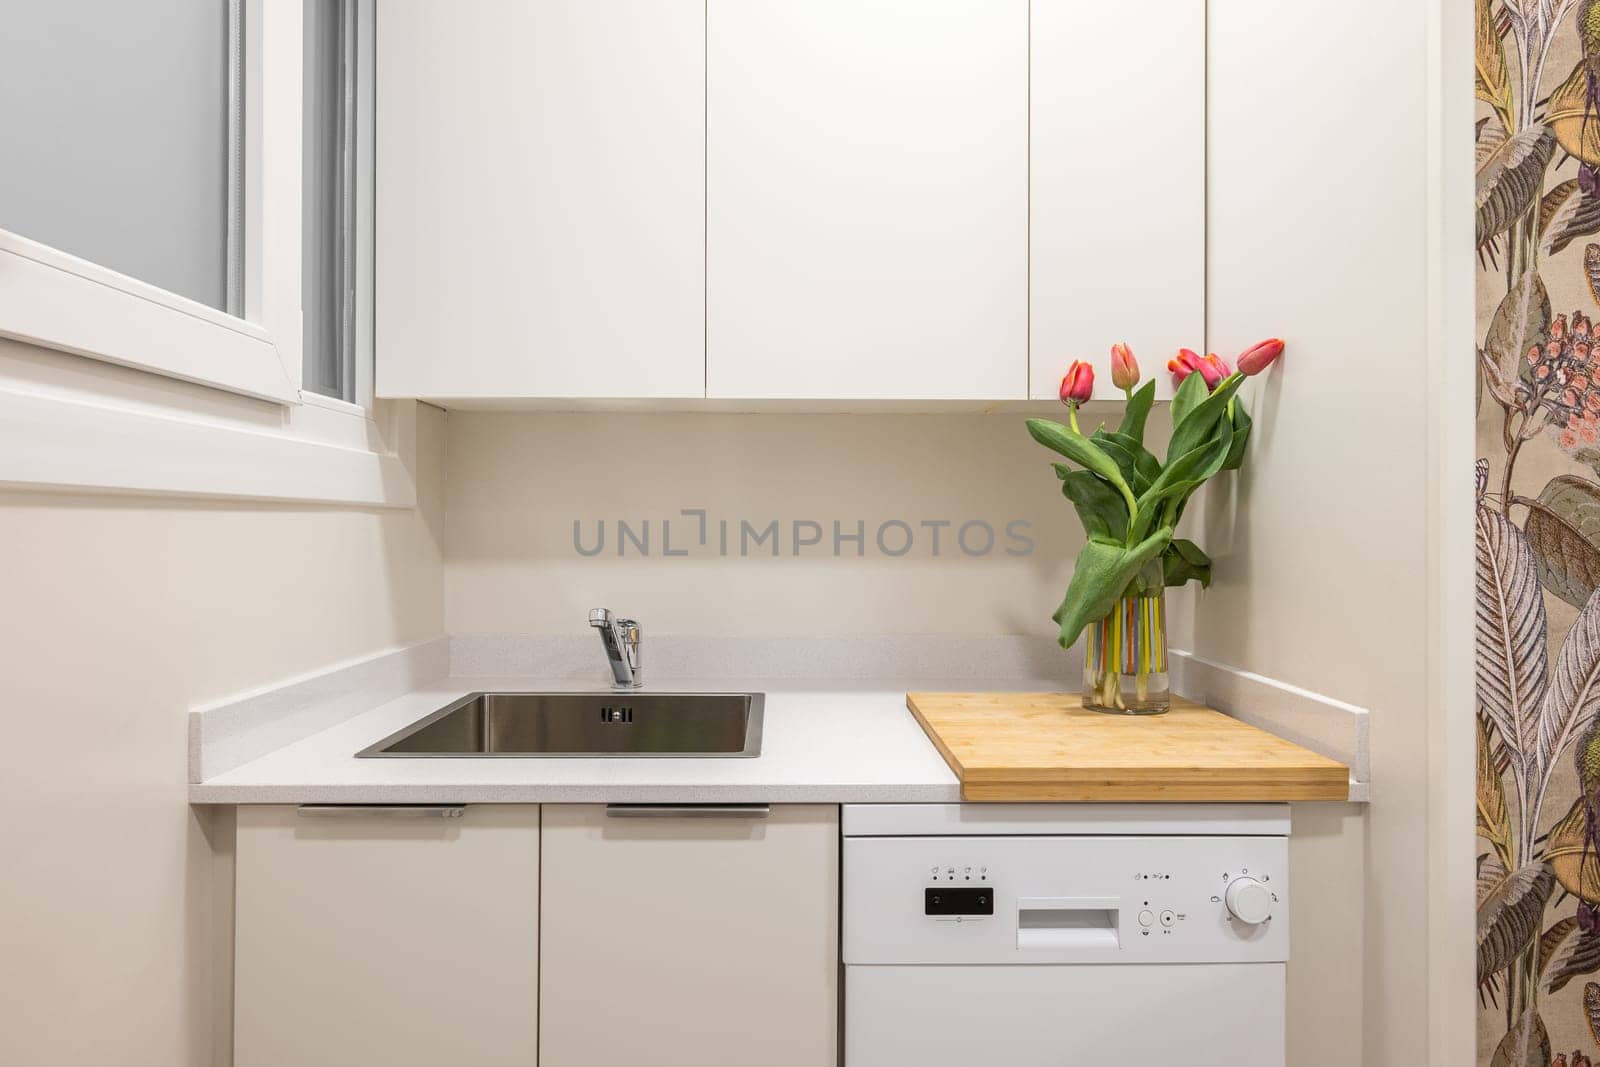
387 939
692 939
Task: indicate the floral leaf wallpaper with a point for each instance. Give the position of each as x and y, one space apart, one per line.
1537 82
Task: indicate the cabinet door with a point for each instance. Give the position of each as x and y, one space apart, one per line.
1118 190
407 942
541 199
690 942
867 201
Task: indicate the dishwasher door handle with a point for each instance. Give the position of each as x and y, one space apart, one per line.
401 811
688 811
1068 922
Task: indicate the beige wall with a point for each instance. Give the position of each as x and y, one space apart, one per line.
1318 203
517 482
119 616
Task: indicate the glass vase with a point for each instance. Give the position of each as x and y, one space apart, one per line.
1125 662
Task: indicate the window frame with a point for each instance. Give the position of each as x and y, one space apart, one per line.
56 300
355 215
178 399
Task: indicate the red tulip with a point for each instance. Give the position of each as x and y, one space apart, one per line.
1124 368
1213 369
1078 385
1259 357
1185 363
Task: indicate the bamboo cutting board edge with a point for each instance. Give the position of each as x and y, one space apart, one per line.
1033 729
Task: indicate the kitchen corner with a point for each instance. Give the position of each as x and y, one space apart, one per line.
708 533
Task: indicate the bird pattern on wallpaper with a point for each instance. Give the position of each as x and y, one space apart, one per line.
1538 532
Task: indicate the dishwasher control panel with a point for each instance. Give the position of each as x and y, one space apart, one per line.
1045 899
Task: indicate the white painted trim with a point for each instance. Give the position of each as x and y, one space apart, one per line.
235 731
273 177
48 442
333 403
59 301
1451 444
1326 726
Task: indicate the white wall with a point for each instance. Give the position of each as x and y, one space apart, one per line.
1318 206
119 615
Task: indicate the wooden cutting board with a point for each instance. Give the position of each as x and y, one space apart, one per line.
1046 747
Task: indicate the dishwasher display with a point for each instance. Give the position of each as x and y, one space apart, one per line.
953 901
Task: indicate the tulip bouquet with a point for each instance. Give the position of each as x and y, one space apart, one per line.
1130 503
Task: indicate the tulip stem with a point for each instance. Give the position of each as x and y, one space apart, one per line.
1072 417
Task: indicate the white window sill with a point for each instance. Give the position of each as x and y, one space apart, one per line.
71 424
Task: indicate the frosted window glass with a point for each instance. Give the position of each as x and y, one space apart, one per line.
113 117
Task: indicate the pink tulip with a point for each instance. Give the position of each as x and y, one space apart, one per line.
1213 369
1259 357
1078 385
1124 368
1185 363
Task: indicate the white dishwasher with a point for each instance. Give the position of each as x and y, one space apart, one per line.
1048 935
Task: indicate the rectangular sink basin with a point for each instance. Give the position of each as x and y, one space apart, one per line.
585 725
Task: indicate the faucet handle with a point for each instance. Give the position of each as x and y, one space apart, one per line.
631 635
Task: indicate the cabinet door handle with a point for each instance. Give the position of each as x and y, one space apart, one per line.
402 811
687 811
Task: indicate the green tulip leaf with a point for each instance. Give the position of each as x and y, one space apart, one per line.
1080 450
1183 561
1195 426
1139 468
1101 509
1241 435
1180 478
1104 570
1190 392
1137 411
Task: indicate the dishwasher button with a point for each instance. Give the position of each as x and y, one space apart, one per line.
1145 918
1167 918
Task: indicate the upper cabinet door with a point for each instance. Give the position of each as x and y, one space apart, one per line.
867 199
541 198
1118 186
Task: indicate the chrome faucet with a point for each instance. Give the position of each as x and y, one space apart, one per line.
621 638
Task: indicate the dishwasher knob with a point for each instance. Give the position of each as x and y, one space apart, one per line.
1249 901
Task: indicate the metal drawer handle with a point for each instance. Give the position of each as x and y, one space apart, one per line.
402 811
688 811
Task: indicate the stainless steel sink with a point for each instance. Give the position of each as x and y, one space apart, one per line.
585 724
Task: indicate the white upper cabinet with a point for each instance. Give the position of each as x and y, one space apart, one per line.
802 203
867 199
540 198
1118 186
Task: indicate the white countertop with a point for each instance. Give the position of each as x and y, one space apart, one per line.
834 743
